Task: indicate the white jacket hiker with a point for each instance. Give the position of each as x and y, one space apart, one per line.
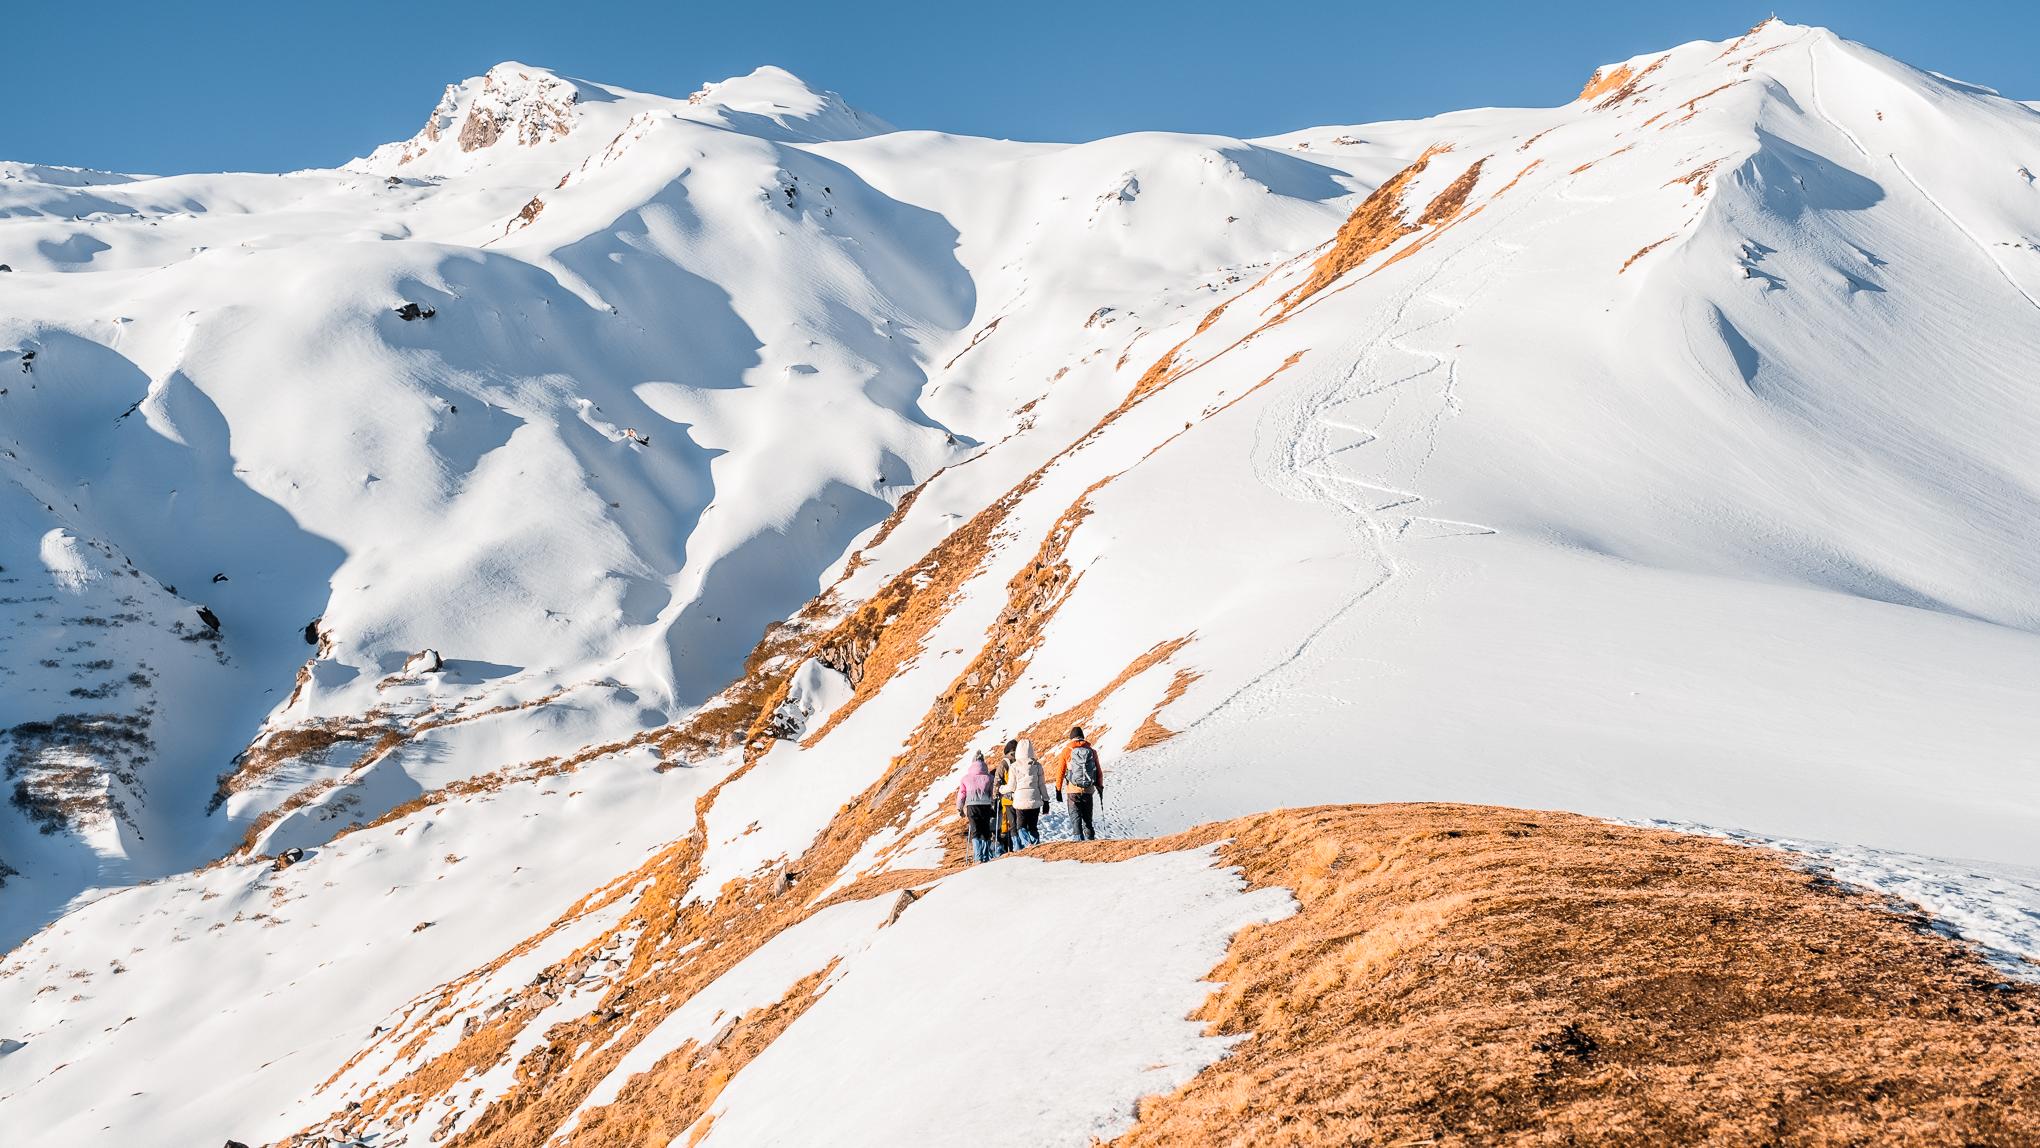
1027 789
1025 783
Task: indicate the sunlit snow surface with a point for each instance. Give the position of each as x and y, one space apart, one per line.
1684 476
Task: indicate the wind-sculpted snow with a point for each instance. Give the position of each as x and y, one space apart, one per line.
1664 455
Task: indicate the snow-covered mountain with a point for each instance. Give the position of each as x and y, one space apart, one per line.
597 529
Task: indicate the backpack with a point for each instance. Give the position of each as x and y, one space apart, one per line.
977 789
1083 771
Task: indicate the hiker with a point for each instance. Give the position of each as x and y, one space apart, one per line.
1079 774
1025 791
1002 780
974 803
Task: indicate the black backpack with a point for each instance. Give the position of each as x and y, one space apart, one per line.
1083 771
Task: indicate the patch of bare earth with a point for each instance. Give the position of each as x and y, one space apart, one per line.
1462 975
1372 228
312 739
1698 178
1605 80
73 769
1151 731
1617 85
1646 249
1737 43
1692 107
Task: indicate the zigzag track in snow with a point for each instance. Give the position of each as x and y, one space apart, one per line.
1290 448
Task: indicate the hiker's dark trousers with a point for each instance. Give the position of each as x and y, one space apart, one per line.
1026 828
1080 817
981 847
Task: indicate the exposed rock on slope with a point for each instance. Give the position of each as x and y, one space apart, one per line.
527 106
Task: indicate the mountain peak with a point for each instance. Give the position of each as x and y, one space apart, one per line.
780 102
1615 82
511 102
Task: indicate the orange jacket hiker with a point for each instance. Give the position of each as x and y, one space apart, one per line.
1062 762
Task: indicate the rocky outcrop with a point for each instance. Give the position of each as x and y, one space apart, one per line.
511 102
529 106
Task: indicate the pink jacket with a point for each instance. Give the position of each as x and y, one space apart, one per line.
976 788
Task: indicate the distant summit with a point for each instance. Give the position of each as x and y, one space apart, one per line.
510 102
517 106
779 96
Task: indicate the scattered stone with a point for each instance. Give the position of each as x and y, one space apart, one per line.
423 662
721 1035
211 620
312 631
900 903
289 857
410 311
1569 1043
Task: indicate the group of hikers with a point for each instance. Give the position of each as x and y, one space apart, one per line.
1001 804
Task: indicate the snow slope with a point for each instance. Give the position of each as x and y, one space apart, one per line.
677 363
1664 455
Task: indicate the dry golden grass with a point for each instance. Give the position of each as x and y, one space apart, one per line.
1448 202
1518 177
1698 177
1053 728
1737 43
1444 211
1605 80
659 1105
1462 975
1373 227
746 913
1219 408
1455 975
1611 155
1151 731
1618 85
1692 107
1646 249
313 739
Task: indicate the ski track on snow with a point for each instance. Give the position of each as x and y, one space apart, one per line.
1290 449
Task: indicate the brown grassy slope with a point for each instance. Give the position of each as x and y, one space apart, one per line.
1373 227
1462 975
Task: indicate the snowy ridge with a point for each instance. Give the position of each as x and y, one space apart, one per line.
1663 456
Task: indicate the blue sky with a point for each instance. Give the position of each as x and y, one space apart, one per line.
174 85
